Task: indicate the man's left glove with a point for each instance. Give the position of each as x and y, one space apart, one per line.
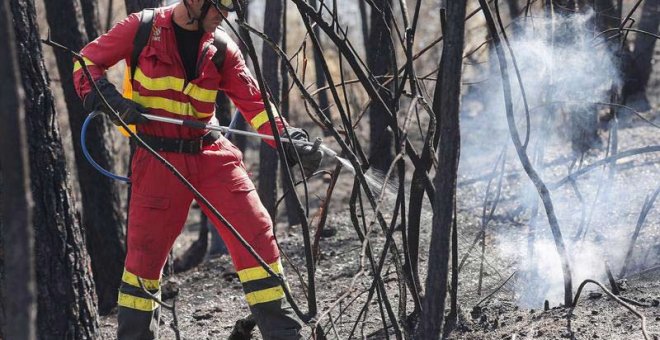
130 111
310 155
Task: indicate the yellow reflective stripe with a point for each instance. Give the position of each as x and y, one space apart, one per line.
261 118
201 94
132 280
134 302
266 295
158 84
127 91
77 66
175 84
169 105
258 273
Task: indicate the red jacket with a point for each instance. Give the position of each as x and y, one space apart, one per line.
159 83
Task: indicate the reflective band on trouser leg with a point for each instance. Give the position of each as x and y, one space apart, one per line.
134 281
259 286
138 313
238 201
266 298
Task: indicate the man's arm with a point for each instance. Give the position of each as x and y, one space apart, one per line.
243 90
105 51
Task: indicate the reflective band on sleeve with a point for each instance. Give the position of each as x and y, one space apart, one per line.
132 280
77 66
266 295
134 302
258 273
261 118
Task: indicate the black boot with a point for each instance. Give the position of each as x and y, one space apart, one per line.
276 320
139 314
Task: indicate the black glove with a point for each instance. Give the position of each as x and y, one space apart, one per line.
129 111
310 155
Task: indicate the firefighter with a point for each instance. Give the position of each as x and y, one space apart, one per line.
176 76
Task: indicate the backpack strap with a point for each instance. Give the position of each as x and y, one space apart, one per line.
220 41
141 37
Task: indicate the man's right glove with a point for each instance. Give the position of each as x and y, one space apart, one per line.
310 155
130 111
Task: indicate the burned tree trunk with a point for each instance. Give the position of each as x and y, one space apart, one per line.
102 215
447 100
634 90
133 6
67 301
268 158
364 22
90 11
380 59
290 201
514 8
240 140
17 275
318 70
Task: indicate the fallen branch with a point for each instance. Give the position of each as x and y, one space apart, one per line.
613 297
624 154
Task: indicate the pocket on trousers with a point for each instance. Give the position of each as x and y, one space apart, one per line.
153 202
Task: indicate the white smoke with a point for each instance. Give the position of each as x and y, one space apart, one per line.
562 78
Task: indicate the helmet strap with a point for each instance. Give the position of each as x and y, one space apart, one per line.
205 10
191 17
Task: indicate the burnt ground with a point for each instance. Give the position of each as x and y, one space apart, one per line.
209 298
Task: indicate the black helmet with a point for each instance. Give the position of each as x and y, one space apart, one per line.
223 5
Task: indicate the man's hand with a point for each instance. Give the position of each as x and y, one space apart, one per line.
310 155
129 111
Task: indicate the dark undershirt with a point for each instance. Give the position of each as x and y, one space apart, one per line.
188 43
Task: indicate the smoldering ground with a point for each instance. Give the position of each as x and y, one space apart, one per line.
567 86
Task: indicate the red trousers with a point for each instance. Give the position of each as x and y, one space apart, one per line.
160 202
158 210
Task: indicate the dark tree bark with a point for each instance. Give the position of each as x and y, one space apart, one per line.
380 59
101 203
66 297
320 75
268 158
108 16
195 254
133 6
364 21
642 57
240 140
447 101
18 293
605 14
90 11
514 8
289 200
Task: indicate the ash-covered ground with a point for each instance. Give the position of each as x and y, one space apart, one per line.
510 274
209 298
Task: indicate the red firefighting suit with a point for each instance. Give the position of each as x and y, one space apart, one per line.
159 202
